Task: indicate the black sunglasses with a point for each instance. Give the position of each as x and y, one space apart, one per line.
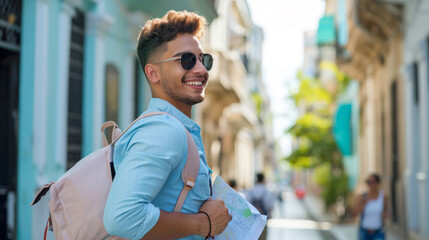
369 181
188 60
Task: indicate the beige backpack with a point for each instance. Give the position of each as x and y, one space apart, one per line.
79 196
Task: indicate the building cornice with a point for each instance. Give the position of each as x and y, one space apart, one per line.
98 23
372 24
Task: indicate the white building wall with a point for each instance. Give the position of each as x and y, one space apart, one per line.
422 175
126 94
416 35
412 122
40 89
40 106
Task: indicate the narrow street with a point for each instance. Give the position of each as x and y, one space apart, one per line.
296 219
291 220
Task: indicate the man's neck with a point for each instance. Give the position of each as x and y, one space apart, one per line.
184 108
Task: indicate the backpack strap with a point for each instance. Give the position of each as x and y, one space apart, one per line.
116 132
47 227
190 171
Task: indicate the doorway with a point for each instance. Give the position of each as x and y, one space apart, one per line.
10 34
9 85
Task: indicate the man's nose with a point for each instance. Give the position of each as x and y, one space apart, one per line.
199 67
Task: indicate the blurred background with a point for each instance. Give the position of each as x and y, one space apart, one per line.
315 94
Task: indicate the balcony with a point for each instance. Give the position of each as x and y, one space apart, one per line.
372 25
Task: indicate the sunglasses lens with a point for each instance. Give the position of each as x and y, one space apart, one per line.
370 182
207 61
188 60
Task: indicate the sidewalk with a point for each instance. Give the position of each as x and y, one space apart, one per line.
341 231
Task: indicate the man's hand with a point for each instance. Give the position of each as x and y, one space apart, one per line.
219 216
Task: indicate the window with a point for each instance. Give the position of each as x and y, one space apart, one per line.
136 88
74 119
415 73
10 34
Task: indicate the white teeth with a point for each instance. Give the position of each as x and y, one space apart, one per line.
194 83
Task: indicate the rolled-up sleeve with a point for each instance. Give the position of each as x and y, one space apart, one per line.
152 151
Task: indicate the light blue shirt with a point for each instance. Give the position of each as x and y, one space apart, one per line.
148 160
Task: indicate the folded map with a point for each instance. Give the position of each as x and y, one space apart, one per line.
247 223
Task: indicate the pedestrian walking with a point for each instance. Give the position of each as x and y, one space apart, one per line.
149 159
372 208
263 200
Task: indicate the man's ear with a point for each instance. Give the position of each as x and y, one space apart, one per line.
152 72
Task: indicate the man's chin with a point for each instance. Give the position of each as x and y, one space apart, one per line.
195 100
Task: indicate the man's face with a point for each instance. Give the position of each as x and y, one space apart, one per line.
182 86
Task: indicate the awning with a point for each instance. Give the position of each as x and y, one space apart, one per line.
158 8
342 129
326 30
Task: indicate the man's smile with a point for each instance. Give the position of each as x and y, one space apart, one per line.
194 83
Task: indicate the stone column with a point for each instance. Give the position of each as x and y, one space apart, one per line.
97 25
40 108
126 90
66 15
40 90
412 150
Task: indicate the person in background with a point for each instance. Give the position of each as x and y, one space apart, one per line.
150 157
233 184
262 199
372 208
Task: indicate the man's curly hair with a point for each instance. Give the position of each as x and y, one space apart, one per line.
157 32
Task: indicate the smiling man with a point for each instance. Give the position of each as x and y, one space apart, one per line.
150 157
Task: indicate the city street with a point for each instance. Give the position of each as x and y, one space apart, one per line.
292 220
303 219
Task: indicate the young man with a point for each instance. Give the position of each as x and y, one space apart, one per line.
150 157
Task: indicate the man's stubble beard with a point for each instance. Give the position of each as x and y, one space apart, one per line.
170 88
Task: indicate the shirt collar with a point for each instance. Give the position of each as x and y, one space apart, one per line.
157 104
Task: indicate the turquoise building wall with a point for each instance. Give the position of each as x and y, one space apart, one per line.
26 173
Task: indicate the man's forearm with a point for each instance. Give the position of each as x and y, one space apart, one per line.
178 225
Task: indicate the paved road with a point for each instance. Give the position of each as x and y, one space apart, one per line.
292 221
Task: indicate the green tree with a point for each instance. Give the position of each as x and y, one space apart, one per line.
313 129
317 148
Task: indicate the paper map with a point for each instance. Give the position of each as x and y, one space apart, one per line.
247 222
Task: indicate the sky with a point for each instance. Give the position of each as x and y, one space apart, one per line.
284 23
